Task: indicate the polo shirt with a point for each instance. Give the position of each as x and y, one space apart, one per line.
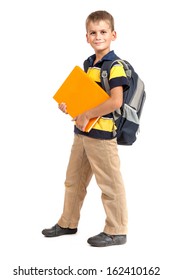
105 127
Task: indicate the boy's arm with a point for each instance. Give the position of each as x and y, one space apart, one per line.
113 103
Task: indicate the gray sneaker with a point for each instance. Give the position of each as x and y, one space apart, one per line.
103 240
57 231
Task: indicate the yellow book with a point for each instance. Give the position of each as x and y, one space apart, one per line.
80 93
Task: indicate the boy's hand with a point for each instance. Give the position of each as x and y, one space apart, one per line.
63 107
81 121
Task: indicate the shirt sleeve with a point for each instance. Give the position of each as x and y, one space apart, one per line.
118 77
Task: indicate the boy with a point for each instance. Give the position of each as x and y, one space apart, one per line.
96 152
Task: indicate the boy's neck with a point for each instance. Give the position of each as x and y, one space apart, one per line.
100 55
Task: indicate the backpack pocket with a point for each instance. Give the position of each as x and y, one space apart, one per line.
127 126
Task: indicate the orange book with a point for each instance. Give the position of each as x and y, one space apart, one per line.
80 93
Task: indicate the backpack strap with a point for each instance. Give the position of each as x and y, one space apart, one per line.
86 65
104 74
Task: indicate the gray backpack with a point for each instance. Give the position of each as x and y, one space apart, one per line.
127 118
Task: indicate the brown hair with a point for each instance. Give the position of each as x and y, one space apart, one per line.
100 15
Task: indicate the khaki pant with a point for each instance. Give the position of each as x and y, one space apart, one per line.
99 157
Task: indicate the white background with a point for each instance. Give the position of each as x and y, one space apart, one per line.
41 41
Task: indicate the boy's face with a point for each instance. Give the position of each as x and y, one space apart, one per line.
100 36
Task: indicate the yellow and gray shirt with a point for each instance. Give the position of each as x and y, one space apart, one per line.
105 127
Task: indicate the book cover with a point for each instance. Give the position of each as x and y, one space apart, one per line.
80 93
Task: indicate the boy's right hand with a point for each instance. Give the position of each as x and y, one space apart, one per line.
63 107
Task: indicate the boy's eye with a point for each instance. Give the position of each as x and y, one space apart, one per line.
93 32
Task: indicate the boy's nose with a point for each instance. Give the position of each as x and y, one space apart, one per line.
98 36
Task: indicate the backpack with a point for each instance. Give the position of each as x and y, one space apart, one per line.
127 118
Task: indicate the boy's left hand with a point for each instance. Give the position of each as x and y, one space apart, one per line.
81 121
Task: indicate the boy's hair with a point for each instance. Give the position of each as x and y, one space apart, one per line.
100 15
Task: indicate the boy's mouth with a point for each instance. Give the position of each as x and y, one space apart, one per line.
98 43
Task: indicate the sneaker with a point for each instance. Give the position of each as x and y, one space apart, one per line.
57 231
103 240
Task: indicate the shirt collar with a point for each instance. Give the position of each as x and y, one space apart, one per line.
109 56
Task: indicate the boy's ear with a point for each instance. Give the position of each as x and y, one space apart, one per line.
87 38
114 35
